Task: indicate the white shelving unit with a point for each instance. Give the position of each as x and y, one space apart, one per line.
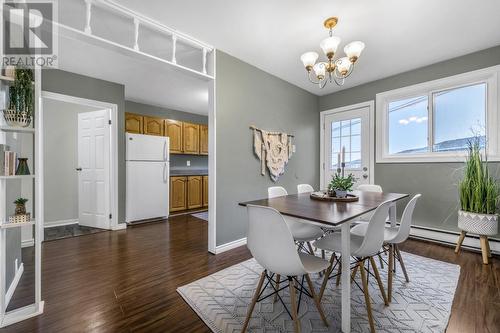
28 144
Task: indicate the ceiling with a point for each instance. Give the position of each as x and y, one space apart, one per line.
271 35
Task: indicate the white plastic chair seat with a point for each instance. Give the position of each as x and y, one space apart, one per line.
332 242
389 232
313 264
303 231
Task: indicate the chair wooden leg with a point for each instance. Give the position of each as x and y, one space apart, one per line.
401 262
381 261
488 247
367 295
254 300
293 300
390 272
460 241
484 249
277 287
309 246
353 273
316 300
379 281
327 275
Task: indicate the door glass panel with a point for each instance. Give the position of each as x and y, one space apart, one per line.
347 134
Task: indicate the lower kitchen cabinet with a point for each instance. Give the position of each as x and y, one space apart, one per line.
194 192
205 191
178 194
188 192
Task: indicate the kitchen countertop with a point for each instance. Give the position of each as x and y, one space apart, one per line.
188 172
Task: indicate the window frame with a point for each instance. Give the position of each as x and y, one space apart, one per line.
488 76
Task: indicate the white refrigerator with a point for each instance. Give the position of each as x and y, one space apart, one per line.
147 174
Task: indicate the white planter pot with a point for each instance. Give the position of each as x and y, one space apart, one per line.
340 194
479 224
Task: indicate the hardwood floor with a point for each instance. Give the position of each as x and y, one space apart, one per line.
125 281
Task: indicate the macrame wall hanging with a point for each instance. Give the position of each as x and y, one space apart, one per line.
273 150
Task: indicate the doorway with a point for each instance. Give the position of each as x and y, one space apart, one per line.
349 129
79 166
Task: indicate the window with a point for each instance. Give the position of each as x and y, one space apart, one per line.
347 134
435 121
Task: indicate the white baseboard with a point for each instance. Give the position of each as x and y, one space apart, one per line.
450 237
231 245
13 284
59 223
27 243
119 226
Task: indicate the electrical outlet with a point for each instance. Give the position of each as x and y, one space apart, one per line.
188 163
294 149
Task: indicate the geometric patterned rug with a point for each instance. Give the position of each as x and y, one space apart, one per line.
422 305
202 215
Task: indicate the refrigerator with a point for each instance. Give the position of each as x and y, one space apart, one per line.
147 177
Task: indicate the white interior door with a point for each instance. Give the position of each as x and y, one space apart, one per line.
93 169
349 128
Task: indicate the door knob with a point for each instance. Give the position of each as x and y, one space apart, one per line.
365 176
78 169
365 169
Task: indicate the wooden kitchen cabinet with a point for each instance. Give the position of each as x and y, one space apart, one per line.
173 129
133 123
191 138
153 126
205 191
203 139
178 193
194 192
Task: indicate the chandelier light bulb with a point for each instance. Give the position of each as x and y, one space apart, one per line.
309 59
353 50
329 46
343 66
320 70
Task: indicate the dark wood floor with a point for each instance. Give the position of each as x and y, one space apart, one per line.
125 281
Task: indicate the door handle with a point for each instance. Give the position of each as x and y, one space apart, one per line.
78 169
365 176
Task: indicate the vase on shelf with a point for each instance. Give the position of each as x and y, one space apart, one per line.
22 167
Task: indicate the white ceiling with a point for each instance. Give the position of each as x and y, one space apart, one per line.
400 35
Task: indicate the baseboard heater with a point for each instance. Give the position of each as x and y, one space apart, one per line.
447 237
156 219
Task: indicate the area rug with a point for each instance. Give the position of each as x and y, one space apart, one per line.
201 215
422 305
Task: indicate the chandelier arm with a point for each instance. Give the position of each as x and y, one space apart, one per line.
339 83
350 72
322 84
310 80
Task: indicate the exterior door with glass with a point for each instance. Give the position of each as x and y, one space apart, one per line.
349 129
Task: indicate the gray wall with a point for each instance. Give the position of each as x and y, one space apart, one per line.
245 95
72 84
176 161
61 159
436 181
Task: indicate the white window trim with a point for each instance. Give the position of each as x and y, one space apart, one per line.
487 75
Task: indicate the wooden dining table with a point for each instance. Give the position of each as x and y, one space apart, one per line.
334 214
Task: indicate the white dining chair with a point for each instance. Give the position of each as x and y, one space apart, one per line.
304 188
368 188
272 245
393 236
302 231
363 249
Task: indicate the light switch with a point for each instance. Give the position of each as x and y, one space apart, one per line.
294 149
188 163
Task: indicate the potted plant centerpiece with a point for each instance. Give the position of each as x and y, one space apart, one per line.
340 185
21 101
479 196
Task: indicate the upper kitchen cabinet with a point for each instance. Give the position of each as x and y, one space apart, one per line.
173 129
133 123
191 138
203 139
153 126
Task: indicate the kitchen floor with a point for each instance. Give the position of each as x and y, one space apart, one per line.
67 231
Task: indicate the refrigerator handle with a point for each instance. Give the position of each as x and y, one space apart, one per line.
165 151
165 172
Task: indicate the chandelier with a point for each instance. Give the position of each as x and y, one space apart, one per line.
331 70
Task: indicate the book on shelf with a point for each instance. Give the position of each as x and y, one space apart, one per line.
3 149
10 158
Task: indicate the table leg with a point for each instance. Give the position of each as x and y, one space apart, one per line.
346 277
392 214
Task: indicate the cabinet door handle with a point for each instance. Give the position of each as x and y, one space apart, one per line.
78 169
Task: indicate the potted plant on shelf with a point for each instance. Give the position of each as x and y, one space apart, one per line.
339 185
21 101
479 196
21 206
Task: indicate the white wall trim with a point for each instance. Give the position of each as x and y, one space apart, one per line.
49 224
231 245
113 108
450 237
13 284
212 162
488 75
120 226
23 313
323 114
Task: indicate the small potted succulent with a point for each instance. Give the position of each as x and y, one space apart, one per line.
21 206
340 185
479 195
